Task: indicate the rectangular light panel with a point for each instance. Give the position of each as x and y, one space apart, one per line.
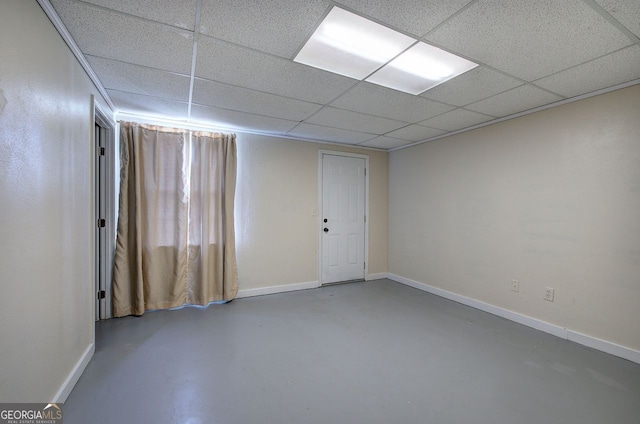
350 45
420 68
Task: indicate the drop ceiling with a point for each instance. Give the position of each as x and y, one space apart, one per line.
229 63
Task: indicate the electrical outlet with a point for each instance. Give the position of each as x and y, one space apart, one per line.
548 294
515 285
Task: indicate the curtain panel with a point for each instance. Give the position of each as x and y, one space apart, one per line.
175 241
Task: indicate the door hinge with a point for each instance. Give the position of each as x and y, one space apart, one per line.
364 265
102 294
101 151
365 218
365 172
102 223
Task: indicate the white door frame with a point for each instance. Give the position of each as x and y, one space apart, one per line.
102 118
321 154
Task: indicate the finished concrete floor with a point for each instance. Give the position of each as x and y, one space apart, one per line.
374 352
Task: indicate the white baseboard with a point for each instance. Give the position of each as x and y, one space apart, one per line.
378 276
74 375
604 346
277 289
564 333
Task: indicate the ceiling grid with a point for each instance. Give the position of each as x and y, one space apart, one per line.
229 64
194 55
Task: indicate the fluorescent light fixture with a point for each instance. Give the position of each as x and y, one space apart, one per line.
420 68
350 45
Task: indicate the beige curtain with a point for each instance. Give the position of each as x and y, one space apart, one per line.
175 243
213 273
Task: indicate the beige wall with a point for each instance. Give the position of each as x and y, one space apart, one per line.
277 194
549 199
46 213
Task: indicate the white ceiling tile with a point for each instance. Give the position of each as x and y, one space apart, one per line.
354 121
240 120
416 17
139 79
383 142
415 133
627 12
320 133
279 27
146 105
235 65
477 84
99 32
211 93
609 70
529 39
380 101
176 13
513 101
457 119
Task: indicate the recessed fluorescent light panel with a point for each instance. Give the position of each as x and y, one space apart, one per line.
420 68
350 45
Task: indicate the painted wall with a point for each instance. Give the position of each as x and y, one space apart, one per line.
276 198
46 212
549 199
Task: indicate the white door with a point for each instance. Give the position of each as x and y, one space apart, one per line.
100 220
343 218
104 212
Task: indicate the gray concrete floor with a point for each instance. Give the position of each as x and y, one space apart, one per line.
375 352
